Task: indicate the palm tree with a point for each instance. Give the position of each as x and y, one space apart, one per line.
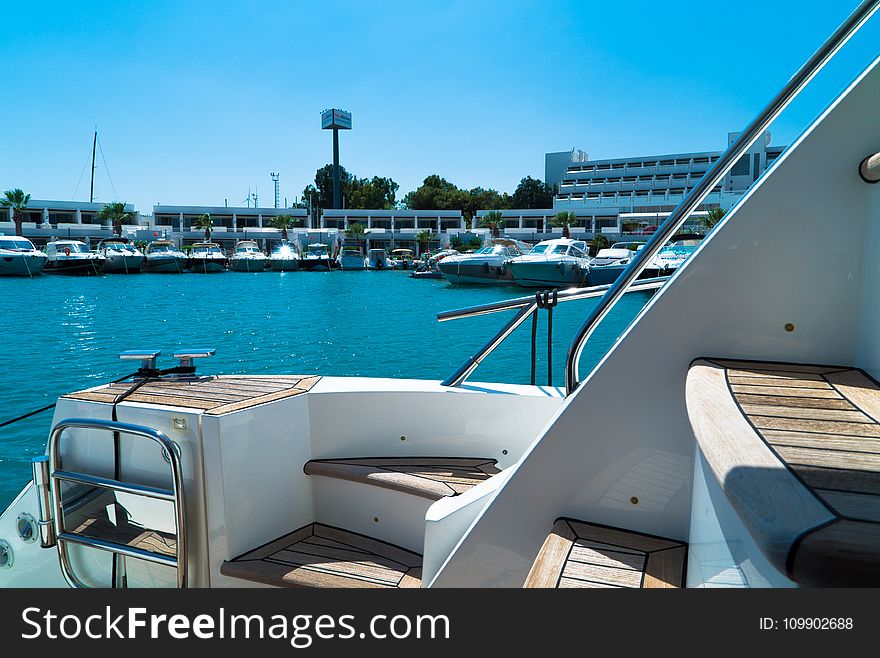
17 200
599 242
424 238
565 219
713 217
284 222
356 231
205 222
116 214
492 220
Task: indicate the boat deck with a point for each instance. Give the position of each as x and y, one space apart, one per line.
214 395
323 556
586 555
796 448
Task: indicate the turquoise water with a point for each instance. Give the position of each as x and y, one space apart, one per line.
64 333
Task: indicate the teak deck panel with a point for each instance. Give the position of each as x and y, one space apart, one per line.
428 477
323 556
577 554
796 448
214 395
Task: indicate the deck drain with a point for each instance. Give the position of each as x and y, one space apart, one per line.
375 519
789 327
634 500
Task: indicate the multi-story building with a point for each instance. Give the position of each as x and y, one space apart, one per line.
640 191
44 219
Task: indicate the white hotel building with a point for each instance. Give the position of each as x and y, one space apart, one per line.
608 194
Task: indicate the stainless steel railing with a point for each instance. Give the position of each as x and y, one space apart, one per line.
174 495
711 178
527 306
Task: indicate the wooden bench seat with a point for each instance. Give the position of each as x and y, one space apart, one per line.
796 450
577 554
318 555
429 477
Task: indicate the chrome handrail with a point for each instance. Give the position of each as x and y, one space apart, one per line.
175 495
712 177
567 295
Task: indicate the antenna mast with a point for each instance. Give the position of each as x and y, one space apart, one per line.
92 184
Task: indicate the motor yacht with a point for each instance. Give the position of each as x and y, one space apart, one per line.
284 258
72 257
316 258
248 257
163 256
351 258
377 259
558 263
121 256
207 258
488 265
607 265
19 257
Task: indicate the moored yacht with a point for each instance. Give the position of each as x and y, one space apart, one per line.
377 259
72 257
608 263
558 263
207 258
487 265
248 257
121 256
19 257
316 258
351 258
284 258
726 438
163 257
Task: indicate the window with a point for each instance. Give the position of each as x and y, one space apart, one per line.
741 168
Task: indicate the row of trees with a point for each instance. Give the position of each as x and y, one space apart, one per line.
435 193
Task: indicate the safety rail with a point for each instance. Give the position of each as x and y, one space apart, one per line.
528 306
710 179
57 475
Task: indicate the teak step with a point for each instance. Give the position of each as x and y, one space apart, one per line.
323 556
577 554
796 450
429 477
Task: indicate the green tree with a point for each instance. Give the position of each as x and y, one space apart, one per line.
356 231
116 214
713 217
205 222
424 238
493 220
533 193
321 192
285 222
565 219
436 193
18 201
376 193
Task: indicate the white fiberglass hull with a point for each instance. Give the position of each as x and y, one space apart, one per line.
123 263
548 273
207 265
284 264
248 264
165 264
21 264
352 262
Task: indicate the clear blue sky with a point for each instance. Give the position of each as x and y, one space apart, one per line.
197 101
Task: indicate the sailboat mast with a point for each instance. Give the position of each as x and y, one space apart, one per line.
92 184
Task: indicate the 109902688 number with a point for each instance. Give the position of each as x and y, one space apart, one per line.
817 623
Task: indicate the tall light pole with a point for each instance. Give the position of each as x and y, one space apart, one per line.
275 178
336 120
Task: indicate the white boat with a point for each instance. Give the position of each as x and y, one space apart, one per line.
488 265
672 256
377 259
248 257
19 257
351 258
207 258
284 258
558 263
402 259
607 265
316 258
121 256
72 257
727 438
163 256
